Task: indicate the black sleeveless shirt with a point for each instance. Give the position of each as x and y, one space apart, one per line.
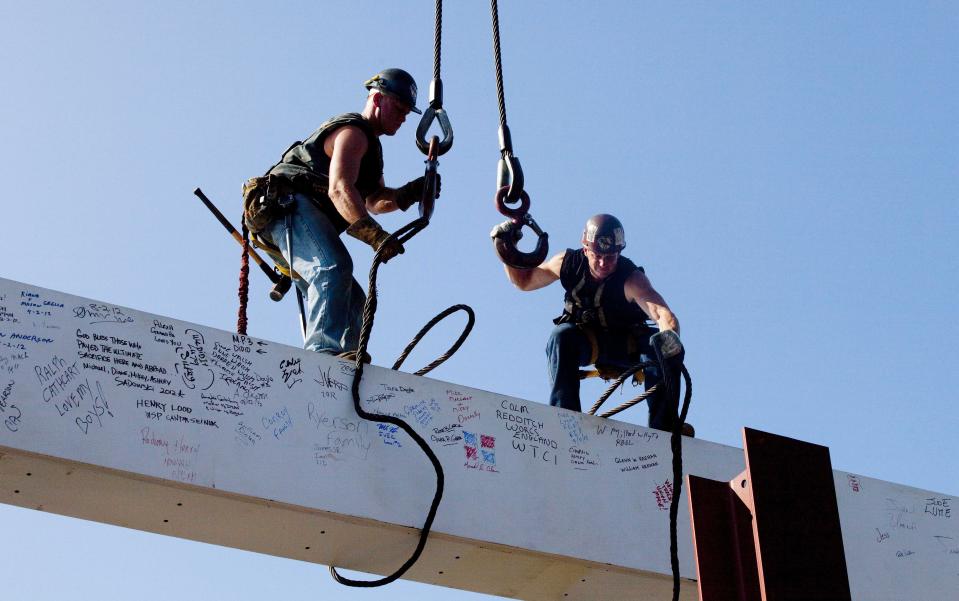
307 167
601 304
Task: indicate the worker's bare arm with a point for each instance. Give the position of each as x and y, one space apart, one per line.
538 277
383 200
639 289
346 147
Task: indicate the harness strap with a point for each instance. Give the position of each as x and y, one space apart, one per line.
279 261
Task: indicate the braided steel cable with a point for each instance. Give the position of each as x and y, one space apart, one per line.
628 404
676 442
437 39
617 383
676 446
435 110
471 320
498 60
369 311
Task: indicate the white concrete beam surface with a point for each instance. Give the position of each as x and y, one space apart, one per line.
123 417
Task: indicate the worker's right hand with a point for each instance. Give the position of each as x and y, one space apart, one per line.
367 230
412 192
506 229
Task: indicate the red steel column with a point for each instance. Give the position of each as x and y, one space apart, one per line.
793 550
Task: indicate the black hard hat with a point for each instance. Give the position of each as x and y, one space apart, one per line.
604 234
397 82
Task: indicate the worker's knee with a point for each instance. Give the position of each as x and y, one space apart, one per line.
562 336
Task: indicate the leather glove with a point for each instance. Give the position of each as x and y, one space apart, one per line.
507 229
669 344
412 192
367 230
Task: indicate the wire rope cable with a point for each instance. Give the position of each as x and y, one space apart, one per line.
438 39
402 235
617 383
471 320
675 441
635 401
498 62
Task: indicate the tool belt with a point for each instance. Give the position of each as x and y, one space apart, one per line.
261 197
261 201
577 315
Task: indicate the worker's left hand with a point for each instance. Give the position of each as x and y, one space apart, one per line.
668 342
366 229
412 192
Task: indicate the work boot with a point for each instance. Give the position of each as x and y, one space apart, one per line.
351 356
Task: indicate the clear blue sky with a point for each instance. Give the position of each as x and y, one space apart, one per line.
788 175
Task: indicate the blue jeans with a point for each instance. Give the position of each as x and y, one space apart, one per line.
568 349
333 299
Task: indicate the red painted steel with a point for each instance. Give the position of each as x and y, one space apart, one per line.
773 532
723 542
796 525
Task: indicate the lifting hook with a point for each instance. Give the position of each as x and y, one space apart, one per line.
506 235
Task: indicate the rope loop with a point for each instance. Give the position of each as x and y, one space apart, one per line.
471 320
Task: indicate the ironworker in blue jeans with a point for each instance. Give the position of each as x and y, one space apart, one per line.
333 298
607 304
333 182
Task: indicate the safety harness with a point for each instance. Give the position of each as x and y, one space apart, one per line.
600 310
